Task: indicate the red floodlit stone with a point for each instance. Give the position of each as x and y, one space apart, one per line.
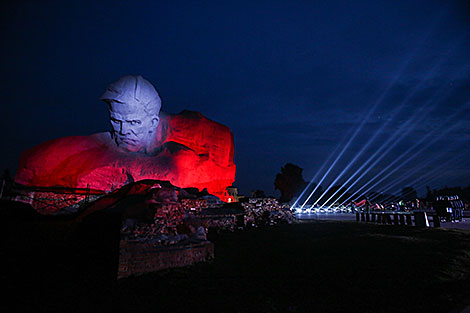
192 151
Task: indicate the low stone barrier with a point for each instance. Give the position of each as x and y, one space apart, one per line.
420 219
143 257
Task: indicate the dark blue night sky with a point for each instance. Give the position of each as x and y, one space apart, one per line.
292 79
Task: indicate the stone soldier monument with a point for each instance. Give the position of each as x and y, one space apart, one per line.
186 149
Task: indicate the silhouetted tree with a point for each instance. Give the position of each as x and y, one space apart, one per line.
289 182
462 192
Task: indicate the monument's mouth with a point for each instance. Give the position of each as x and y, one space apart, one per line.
127 141
131 145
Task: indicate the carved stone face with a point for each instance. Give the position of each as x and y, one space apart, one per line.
133 129
134 105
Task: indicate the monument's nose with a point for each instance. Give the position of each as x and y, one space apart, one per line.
124 129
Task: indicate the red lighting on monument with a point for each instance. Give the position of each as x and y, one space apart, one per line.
195 152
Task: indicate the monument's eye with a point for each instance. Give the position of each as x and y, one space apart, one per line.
135 122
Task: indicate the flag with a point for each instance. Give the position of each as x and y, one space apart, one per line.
360 203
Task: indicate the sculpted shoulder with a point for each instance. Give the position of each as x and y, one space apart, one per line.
55 149
202 135
47 156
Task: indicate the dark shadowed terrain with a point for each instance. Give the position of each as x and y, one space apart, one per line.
313 267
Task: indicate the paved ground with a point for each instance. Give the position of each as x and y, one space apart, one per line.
465 224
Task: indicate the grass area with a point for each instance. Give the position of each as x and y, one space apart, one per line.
320 267
315 267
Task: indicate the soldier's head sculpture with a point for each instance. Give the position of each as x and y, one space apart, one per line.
134 107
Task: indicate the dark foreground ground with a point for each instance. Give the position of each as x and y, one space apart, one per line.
313 267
